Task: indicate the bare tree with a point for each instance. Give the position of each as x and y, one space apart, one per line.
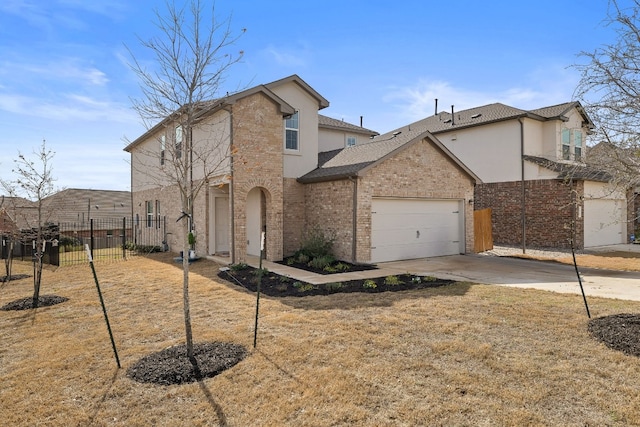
609 89
192 58
34 182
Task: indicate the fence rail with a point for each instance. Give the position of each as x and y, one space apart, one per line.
109 239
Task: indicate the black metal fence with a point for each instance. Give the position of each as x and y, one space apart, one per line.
109 239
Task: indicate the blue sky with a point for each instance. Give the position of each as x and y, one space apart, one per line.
64 74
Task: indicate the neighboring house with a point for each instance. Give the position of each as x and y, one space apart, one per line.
17 213
290 170
79 206
72 210
532 176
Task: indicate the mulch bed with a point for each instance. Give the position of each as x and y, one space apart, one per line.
618 332
172 366
275 285
352 267
14 277
27 303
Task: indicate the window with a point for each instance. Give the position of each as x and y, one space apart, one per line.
157 213
577 142
292 129
149 209
351 141
163 142
179 137
566 144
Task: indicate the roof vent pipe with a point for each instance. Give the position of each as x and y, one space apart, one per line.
453 119
436 106
360 121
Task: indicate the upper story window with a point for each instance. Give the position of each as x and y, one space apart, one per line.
572 144
163 146
566 144
179 137
292 133
577 142
351 141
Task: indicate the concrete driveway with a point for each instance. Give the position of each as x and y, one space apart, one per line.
523 273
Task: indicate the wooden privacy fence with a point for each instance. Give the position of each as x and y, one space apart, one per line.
483 237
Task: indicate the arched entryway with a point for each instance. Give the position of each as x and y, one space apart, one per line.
256 219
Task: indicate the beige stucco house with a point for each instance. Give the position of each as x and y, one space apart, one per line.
285 169
533 177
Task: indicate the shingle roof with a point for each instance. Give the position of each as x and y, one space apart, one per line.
570 170
75 204
331 123
209 106
496 112
350 161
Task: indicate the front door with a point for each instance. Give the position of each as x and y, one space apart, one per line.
222 225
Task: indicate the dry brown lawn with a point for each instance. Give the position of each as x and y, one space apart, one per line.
461 355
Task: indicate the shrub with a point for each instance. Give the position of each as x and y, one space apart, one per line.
302 258
333 286
239 266
369 284
317 244
321 262
303 286
260 272
342 267
392 281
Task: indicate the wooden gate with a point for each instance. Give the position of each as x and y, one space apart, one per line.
482 233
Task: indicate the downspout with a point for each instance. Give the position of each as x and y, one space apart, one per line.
524 195
233 216
354 218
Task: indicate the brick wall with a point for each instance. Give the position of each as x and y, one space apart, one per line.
329 207
258 138
420 171
549 212
293 215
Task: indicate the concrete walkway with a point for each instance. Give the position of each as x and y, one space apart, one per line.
493 270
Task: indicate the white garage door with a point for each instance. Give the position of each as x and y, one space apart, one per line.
415 228
604 222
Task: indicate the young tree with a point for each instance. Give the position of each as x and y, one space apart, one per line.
34 182
192 59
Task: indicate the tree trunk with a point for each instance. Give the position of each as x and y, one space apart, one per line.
185 293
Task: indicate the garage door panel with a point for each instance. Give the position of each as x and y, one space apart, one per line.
410 228
604 222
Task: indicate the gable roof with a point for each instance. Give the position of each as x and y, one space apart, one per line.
331 123
211 106
76 204
322 102
354 161
570 170
483 115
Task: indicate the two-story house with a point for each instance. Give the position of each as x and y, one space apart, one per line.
532 176
285 169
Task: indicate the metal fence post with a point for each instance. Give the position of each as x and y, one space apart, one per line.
91 235
124 237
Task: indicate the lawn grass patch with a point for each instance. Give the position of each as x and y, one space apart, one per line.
462 354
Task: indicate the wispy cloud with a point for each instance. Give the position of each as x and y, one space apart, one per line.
68 107
542 87
287 57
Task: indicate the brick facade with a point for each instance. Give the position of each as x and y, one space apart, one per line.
419 171
549 212
257 162
329 207
293 215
